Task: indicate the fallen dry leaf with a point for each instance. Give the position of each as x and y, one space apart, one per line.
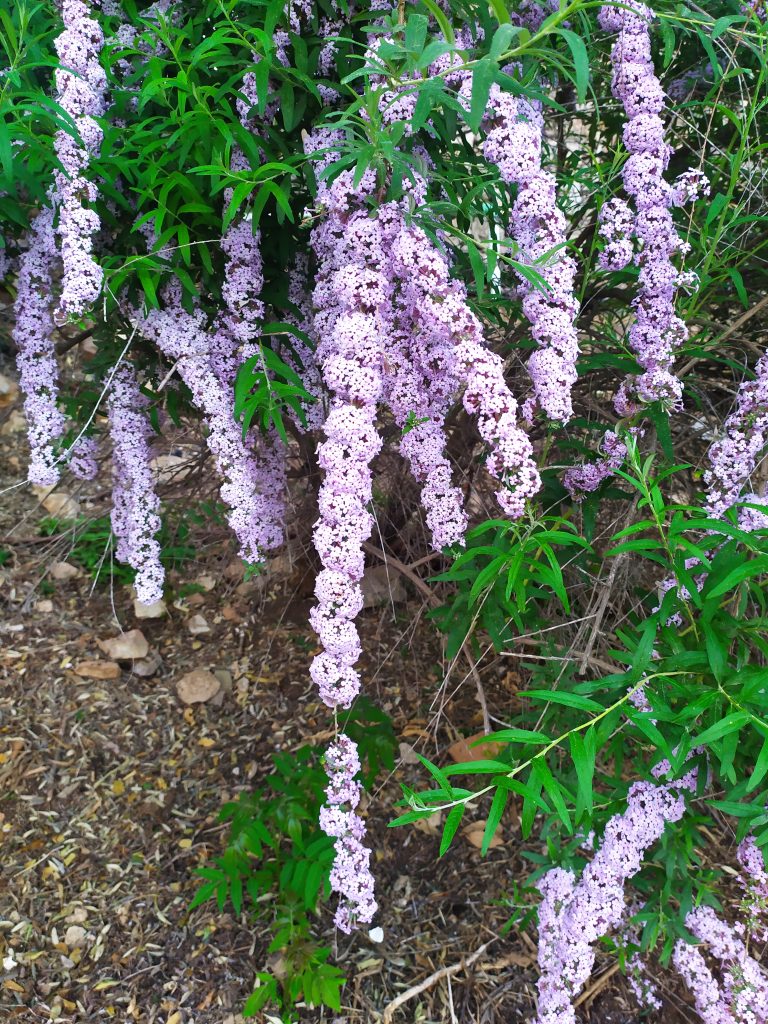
61 505
126 647
462 750
197 687
474 834
98 669
407 754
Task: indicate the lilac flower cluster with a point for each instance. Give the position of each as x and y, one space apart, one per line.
350 295
239 324
421 381
392 327
581 480
657 331
743 995
128 36
36 358
351 873
81 85
81 457
574 915
733 458
135 505
513 142
486 396
256 510
754 881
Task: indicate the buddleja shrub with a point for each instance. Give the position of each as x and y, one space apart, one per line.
325 229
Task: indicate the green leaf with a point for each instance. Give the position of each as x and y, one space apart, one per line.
477 768
760 769
409 817
439 15
436 774
236 893
498 804
500 10
529 793
580 61
726 725
512 736
502 37
570 700
755 567
552 788
416 32
583 754
483 77
452 822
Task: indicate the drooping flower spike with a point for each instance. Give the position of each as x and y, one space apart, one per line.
81 87
135 505
36 354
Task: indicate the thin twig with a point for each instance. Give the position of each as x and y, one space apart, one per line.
444 972
404 570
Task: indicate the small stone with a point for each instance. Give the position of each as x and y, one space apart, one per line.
147 667
197 687
64 571
206 582
156 610
88 348
61 505
16 423
9 391
198 625
97 669
174 467
45 606
75 936
126 647
382 586
234 570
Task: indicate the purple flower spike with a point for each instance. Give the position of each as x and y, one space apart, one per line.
81 86
36 359
135 506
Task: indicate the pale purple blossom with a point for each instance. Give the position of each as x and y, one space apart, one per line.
573 915
135 505
36 354
80 87
248 484
742 997
733 458
513 142
754 881
351 873
657 332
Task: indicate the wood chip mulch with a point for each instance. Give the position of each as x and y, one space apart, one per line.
110 790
